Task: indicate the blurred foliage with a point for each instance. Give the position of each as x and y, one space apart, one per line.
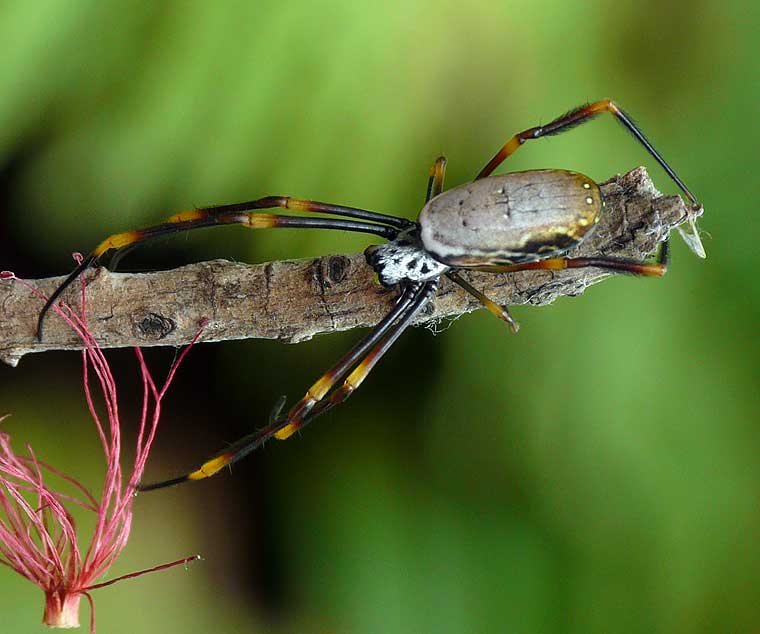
598 472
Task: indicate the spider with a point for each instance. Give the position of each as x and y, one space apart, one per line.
511 222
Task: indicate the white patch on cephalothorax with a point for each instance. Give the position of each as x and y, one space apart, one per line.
395 262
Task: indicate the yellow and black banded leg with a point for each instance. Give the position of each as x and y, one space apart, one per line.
435 180
322 387
363 221
304 411
658 268
502 312
300 204
575 117
357 376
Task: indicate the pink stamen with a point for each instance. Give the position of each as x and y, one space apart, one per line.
39 540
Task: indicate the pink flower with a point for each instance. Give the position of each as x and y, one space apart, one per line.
38 536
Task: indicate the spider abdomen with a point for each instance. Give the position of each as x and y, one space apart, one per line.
510 218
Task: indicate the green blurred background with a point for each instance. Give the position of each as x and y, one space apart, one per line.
599 472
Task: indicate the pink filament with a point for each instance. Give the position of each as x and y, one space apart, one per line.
40 541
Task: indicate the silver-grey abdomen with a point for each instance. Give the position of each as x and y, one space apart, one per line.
510 218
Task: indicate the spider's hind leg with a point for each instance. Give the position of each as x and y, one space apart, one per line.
323 395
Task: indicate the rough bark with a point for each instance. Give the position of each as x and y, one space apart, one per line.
293 300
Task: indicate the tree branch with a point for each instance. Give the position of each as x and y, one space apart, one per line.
293 300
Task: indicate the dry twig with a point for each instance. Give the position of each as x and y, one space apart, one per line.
293 300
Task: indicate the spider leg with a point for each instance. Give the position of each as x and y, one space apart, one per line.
502 312
316 401
310 206
575 117
382 225
299 419
435 180
658 268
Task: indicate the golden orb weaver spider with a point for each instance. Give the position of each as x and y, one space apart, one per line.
511 222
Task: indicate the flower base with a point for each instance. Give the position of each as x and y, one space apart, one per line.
61 610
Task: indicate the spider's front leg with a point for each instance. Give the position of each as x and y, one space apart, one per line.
243 214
